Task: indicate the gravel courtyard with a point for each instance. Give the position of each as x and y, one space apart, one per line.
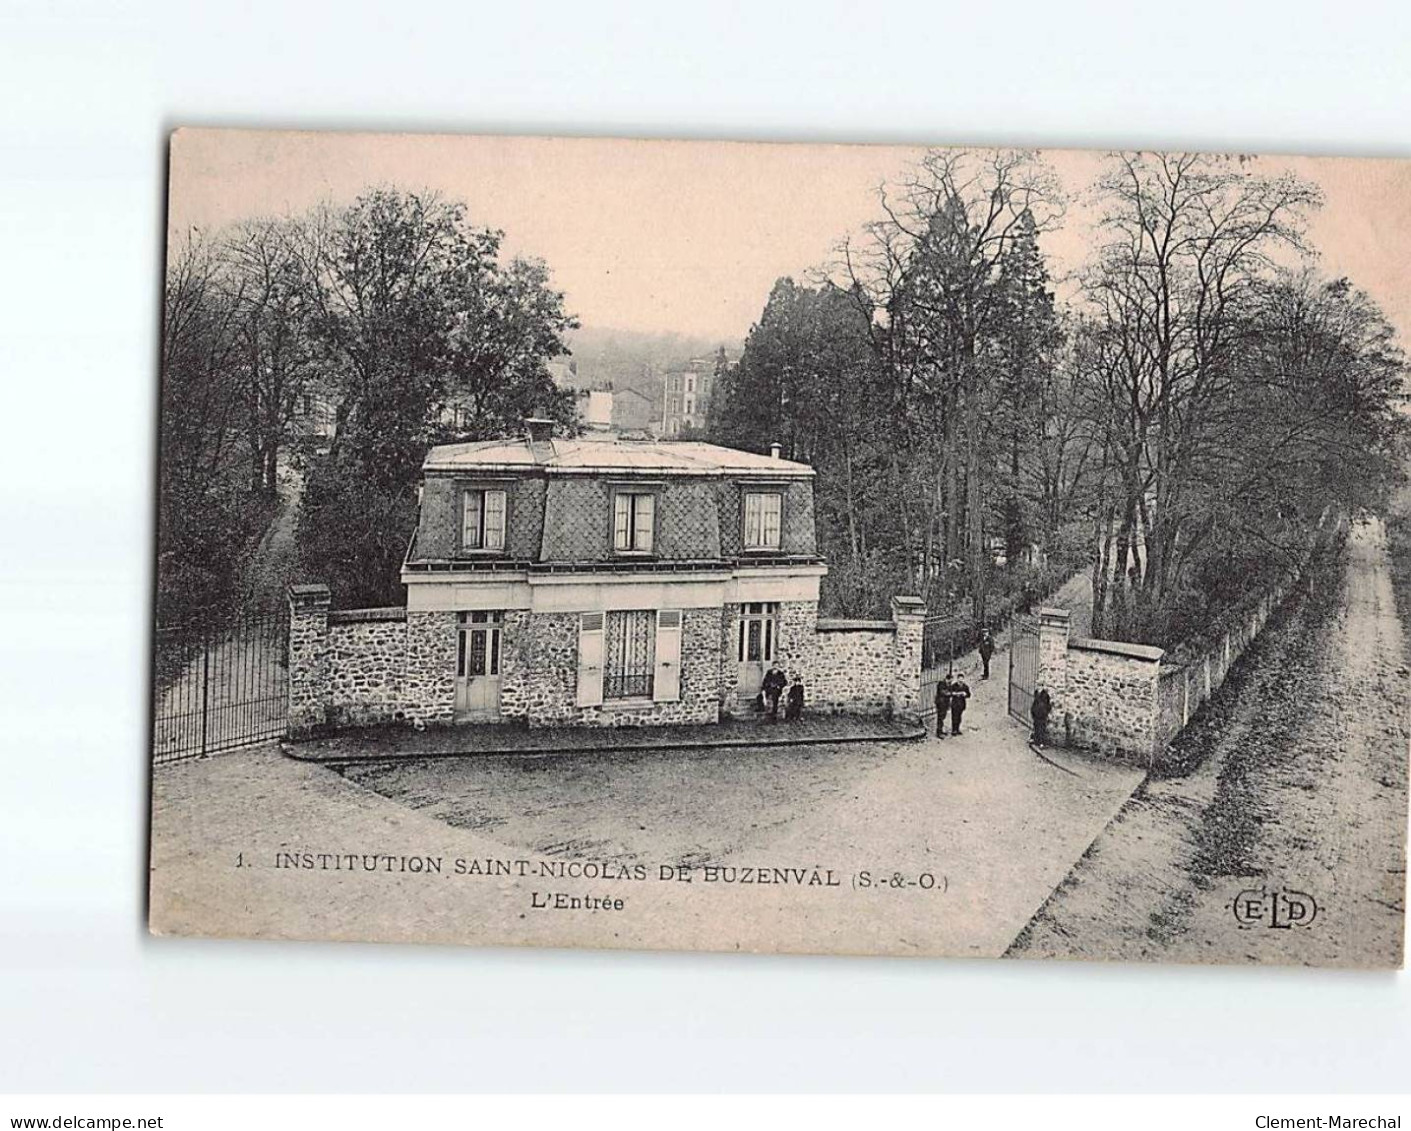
931 847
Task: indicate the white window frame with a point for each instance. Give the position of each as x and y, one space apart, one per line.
477 535
763 530
631 533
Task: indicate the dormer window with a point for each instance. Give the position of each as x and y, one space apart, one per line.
483 519
762 519
633 522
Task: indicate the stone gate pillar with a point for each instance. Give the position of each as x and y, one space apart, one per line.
909 617
1053 660
308 658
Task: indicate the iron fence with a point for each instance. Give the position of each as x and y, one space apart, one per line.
219 686
1023 666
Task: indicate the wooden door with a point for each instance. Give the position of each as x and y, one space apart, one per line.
757 643
478 660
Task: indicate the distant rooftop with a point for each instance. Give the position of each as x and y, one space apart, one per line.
585 456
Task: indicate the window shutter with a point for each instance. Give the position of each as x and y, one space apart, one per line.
772 505
645 519
470 520
622 522
752 520
494 520
590 659
666 688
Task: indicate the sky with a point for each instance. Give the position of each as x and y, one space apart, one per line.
689 237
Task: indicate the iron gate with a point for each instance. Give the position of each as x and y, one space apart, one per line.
1023 666
219 687
944 636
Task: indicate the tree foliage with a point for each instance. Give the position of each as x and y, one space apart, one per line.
1180 425
395 310
1234 402
808 380
211 502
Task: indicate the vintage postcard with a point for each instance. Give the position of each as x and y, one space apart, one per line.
778 547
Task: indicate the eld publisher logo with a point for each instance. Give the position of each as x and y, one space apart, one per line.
1270 907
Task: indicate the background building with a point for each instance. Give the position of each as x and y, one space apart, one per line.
686 396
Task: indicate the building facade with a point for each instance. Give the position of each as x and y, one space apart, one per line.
633 411
599 581
591 581
686 394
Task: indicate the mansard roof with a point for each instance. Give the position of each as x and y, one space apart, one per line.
608 456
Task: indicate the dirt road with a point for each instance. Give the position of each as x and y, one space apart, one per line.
1301 784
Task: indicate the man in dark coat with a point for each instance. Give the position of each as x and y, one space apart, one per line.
1039 711
959 693
774 683
942 705
987 649
793 706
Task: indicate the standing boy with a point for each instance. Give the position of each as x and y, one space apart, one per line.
959 693
942 705
774 683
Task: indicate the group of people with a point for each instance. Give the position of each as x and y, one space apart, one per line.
952 695
772 690
952 692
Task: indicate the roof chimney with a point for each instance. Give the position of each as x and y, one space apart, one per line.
539 435
774 449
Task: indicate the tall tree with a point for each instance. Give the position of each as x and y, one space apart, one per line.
203 516
415 310
1188 239
930 281
1023 418
808 380
272 295
503 333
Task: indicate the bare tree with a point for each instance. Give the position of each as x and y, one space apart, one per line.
1187 240
273 300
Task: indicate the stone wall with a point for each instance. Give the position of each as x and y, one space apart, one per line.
729 658
850 667
361 666
429 678
1109 701
866 667
516 664
1104 693
366 658
909 617
544 676
700 683
1126 700
544 669
308 658
1186 687
387 665
797 642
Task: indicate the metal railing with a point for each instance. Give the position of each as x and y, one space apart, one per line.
219 686
627 686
